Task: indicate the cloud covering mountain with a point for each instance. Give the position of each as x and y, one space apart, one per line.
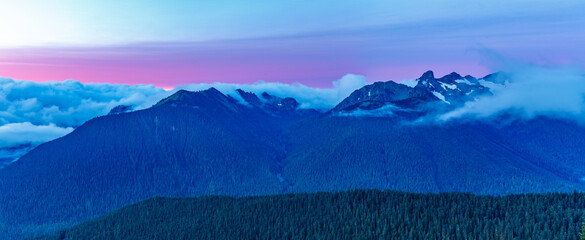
35 112
67 103
308 97
24 133
530 91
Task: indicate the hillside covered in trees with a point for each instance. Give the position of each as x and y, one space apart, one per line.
207 143
358 214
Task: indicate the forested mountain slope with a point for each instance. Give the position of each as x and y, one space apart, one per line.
361 214
189 144
202 143
332 153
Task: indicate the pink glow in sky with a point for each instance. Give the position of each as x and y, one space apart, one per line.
291 49
177 69
315 63
171 68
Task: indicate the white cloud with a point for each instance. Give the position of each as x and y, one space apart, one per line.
35 112
24 133
308 97
532 91
68 103
385 111
409 82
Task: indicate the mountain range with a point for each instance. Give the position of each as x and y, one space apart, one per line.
207 142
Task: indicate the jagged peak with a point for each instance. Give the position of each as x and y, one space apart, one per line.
249 97
286 103
185 96
267 96
454 74
450 78
379 94
240 91
210 92
290 103
427 75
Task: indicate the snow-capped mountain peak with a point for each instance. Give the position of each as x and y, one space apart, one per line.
421 95
452 88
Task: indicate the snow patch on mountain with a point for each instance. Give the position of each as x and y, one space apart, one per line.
308 97
440 96
528 92
464 81
409 82
449 86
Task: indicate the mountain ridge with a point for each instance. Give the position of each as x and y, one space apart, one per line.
206 142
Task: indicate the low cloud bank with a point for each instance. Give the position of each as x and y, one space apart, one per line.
25 133
531 91
36 112
308 97
68 103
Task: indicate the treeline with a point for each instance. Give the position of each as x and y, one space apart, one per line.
359 214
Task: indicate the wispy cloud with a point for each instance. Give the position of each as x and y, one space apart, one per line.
382 50
308 97
26 133
35 112
67 103
531 91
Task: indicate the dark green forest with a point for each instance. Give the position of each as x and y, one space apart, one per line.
357 214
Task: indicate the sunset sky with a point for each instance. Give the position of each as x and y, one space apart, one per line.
169 43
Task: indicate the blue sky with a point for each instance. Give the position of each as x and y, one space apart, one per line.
169 43
85 22
279 43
